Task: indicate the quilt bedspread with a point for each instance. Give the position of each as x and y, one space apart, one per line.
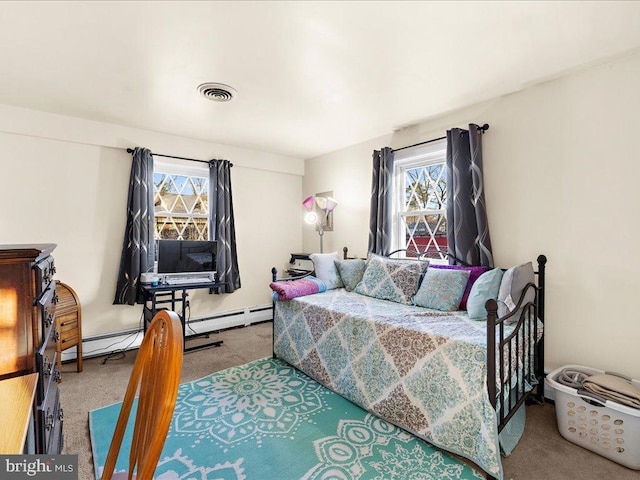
421 369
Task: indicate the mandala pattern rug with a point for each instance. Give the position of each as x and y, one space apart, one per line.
266 420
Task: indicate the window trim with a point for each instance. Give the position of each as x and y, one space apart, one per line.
180 167
421 156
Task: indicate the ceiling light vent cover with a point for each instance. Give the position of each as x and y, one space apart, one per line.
217 92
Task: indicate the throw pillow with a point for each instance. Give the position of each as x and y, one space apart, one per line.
441 289
487 286
474 274
511 287
391 279
351 272
324 265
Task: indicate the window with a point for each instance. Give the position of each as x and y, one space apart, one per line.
181 202
420 207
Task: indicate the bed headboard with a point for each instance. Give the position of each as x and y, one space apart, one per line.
456 261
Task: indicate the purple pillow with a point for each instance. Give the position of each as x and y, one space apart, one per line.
474 273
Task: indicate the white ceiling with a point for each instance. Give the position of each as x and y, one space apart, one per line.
312 77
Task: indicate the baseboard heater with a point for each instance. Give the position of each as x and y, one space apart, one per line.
104 344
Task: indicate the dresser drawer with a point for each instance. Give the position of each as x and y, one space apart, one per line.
45 270
67 325
69 332
49 419
46 364
56 440
46 310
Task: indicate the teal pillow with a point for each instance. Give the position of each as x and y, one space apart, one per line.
487 286
442 289
391 279
351 271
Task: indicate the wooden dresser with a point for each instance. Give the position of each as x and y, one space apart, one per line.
28 333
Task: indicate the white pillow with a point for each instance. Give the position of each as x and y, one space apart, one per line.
513 282
325 269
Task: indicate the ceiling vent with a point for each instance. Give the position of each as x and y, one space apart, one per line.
217 92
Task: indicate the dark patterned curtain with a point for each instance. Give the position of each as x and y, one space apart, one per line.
381 202
467 227
138 245
221 224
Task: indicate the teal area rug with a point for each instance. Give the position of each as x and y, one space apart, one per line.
265 420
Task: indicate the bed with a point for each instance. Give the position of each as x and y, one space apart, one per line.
455 382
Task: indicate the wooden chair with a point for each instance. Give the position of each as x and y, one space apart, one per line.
157 372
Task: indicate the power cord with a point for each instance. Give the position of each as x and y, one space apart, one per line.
114 343
187 315
120 354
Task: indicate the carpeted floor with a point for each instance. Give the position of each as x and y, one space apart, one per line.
265 419
542 452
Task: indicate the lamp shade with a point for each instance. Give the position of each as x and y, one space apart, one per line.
326 203
331 204
308 203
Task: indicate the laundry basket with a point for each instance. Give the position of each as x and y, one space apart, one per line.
607 428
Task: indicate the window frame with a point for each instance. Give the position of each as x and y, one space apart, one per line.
422 156
178 167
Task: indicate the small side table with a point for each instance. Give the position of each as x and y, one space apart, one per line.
68 323
296 272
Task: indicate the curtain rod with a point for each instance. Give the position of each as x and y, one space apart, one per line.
483 128
130 150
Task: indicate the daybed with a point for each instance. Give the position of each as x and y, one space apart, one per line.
436 374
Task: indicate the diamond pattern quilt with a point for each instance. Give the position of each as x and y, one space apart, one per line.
421 369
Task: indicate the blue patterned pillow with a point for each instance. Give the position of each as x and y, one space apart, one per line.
442 289
391 279
487 286
351 272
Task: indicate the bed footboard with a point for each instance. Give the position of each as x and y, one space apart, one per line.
521 352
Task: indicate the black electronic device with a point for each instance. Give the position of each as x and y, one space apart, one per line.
186 257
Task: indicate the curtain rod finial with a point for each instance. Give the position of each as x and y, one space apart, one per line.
485 127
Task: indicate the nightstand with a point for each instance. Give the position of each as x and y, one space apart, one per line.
301 264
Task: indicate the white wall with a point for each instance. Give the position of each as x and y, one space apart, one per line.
562 174
65 180
347 173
